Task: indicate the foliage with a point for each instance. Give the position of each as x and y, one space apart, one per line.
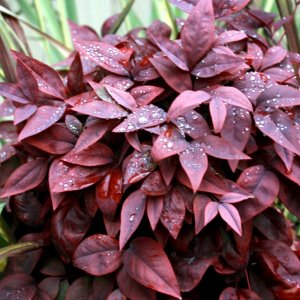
149 167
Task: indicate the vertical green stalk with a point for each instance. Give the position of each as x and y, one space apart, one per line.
62 10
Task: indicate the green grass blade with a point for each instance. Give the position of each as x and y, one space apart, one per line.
132 20
62 10
28 11
18 248
71 10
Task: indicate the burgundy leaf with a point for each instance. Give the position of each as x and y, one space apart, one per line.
194 162
230 36
173 213
176 78
167 168
232 197
101 248
199 204
49 286
6 107
95 155
116 295
44 117
24 178
103 286
146 262
273 56
73 124
218 113
255 51
6 152
154 210
211 211
231 216
198 32
131 215
24 112
75 76
133 140
101 110
109 191
168 143
55 140
143 117
226 7
154 185
263 184
13 92
293 174
145 94
229 293
185 102
104 55
84 33
8 130
117 81
81 288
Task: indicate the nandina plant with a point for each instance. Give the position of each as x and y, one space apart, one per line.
150 168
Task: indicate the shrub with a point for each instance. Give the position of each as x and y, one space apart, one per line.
148 168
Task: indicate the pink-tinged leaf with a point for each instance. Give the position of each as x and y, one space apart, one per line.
145 94
8 130
24 112
104 55
99 248
117 81
132 289
280 128
75 76
82 33
121 97
231 216
116 295
27 81
81 288
6 108
293 174
55 140
273 56
101 92
44 117
255 51
194 162
145 72
112 227
176 78
45 72
146 262
101 110
82 98
215 63
12 92
154 210
190 270
109 191
67 177
286 156
199 205
197 35
245 294
210 212
233 96
173 213
73 124
261 183
172 50
167 168
230 36
6 152
185 5
139 166
133 140
229 293
103 286
95 155
131 215
220 148
25 178
227 7
234 197
91 134
218 113
279 96
143 117
185 102
168 143
154 185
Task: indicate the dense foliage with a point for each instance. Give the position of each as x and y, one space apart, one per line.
148 168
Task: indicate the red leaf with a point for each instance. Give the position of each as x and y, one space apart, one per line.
109 192
293 174
101 110
132 289
185 102
95 155
81 288
25 178
286 156
167 168
45 117
229 293
117 81
199 204
6 152
145 94
8 130
154 210
173 213
143 117
198 32
24 112
75 76
104 55
101 248
146 262
273 56
218 113
231 216
131 215
49 286
133 140
73 124
230 36
176 78
168 143
13 92
194 162
154 185
211 210
234 197
263 184
116 295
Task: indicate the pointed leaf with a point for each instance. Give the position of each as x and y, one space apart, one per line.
199 204
273 56
117 81
24 112
231 216
12 92
210 212
234 197
218 113
131 215
75 76
146 262
145 94
154 210
154 185
101 248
